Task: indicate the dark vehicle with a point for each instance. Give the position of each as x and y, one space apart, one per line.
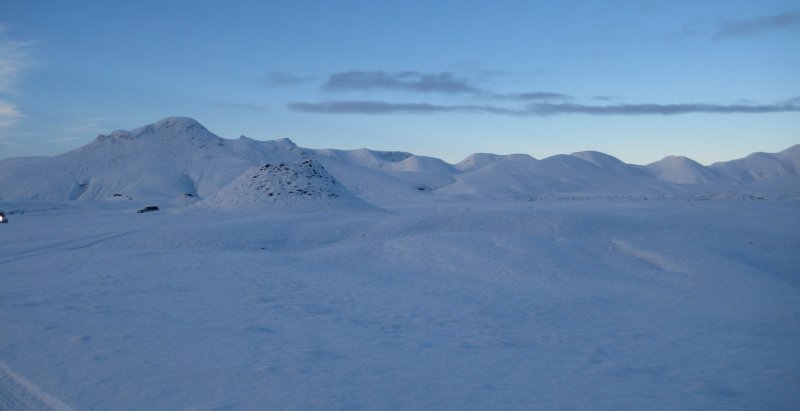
3 218
147 209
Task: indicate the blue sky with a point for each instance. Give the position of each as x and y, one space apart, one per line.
713 80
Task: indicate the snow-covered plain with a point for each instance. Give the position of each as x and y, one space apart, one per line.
427 287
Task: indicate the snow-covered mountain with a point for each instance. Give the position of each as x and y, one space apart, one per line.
168 159
177 158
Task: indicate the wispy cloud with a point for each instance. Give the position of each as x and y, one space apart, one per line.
85 127
282 79
241 106
8 114
540 109
603 98
534 96
414 81
759 25
14 62
63 140
10 143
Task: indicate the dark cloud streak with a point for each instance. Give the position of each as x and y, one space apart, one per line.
382 107
659 109
750 27
540 110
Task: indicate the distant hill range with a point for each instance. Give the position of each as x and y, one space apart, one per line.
179 159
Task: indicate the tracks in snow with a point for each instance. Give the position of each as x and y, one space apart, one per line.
69 245
19 394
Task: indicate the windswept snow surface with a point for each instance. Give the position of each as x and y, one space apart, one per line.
559 303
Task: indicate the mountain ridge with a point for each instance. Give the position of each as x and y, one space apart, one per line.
177 157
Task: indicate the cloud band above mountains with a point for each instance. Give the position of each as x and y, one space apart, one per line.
482 101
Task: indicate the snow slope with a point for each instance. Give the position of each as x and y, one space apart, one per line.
383 175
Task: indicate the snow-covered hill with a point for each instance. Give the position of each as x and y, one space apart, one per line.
303 186
609 163
480 160
760 166
524 175
177 158
682 170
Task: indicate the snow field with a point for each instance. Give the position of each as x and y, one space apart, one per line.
567 305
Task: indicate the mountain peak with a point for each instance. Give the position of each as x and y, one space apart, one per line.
682 170
177 123
676 159
475 161
597 158
168 128
793 152
172 125
286 142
